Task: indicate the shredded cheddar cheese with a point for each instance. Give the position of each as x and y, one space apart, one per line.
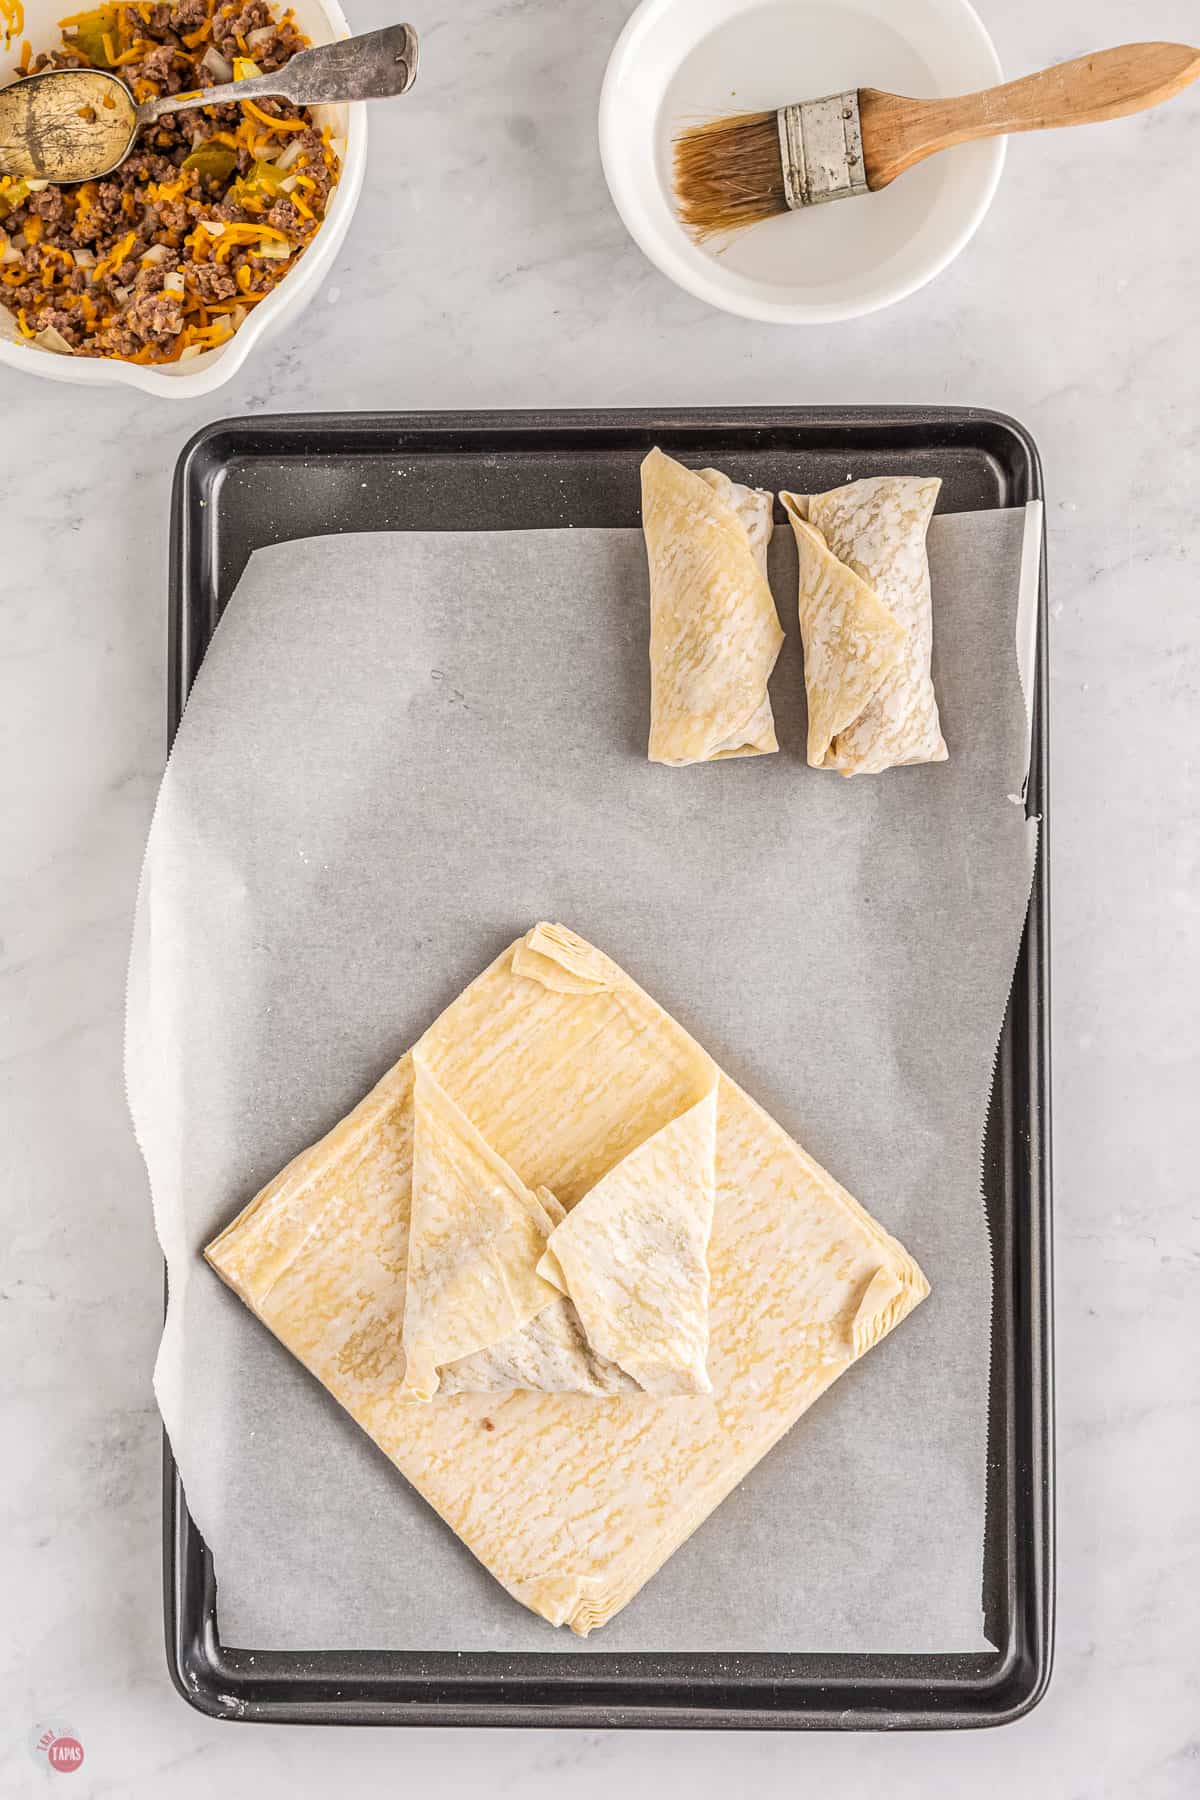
115 257
273 124
12 14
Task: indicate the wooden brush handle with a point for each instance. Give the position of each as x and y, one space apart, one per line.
898 132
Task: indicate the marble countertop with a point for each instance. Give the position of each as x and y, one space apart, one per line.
1075 309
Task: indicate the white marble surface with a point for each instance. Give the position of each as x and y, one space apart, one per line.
1075 309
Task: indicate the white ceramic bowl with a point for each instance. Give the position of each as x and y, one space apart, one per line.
681 61
324 22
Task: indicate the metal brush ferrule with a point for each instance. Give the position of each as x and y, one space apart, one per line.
820 143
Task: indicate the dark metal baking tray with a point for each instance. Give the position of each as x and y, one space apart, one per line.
250 482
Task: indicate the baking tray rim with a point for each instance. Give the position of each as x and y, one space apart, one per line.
974 1691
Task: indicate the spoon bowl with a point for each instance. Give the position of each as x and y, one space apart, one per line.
66 125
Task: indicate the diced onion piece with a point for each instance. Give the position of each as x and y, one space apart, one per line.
173 284
214 64
214 227
36 187
50 339
288 184
288 156
264 35
237 318
121 295
273 250
84 259
191 352
157 253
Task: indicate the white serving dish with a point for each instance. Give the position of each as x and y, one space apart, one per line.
324 22
680 61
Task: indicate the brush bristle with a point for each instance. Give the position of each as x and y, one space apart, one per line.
729 173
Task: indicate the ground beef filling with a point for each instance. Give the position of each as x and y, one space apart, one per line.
127 267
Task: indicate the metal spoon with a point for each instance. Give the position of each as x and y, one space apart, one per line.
70 125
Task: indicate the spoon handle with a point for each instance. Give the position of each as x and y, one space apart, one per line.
375 66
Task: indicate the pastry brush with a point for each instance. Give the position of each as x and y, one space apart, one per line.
737 171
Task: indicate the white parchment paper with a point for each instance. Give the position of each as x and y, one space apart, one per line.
400 752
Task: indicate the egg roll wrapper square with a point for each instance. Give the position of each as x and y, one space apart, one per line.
571 1501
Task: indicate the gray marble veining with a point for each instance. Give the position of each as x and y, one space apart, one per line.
1075 309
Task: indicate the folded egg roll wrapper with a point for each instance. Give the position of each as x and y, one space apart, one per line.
866 618
714 631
